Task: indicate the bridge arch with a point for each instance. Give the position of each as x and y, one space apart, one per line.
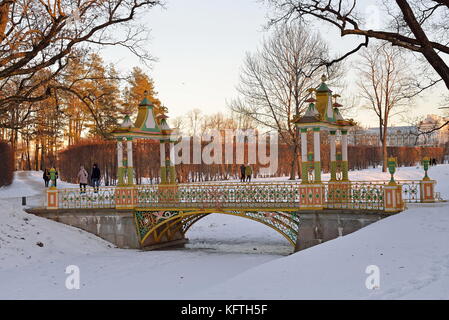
155 226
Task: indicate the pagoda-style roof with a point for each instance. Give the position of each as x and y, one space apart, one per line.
151 123
322 112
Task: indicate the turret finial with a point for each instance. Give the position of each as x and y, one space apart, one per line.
323 78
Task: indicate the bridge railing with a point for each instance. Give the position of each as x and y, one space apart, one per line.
245 195
74 198
411 190
355 195
358 195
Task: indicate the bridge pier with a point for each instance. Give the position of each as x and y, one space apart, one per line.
130 229
115 226
320 226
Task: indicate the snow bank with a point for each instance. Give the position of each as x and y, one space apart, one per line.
410 250
20 234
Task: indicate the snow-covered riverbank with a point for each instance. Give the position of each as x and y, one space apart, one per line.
228 257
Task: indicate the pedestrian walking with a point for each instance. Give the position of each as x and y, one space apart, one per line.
53 174
82 177
248 172
95 177
46 177
242 173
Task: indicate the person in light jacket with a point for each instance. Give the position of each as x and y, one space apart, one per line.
248 172
82 177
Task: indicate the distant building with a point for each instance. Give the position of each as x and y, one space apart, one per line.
405 135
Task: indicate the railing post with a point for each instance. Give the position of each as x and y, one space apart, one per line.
426 185
339 195
427 190
393 201
52 198
304 160
126 197
311 194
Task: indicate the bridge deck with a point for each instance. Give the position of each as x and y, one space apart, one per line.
266 195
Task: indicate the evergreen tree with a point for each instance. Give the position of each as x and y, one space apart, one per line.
138 83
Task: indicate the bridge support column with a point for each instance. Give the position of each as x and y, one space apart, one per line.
344 153
120 168
304 163
172 171
333 158
163 172
130 169
317 154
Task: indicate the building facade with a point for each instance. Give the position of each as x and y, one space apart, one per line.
405 135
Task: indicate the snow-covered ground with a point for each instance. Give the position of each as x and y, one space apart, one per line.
228 257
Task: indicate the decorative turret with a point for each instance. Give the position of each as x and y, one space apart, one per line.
337 115
165 128
322 113
323 96
127 123
151 123
145 117
324 110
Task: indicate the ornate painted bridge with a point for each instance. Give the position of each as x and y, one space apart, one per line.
164 213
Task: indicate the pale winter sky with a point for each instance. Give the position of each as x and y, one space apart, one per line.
200 46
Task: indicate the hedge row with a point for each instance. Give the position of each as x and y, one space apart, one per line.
146 161
6 160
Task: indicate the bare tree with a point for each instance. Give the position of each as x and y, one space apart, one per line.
194 122
385 85
417 26
274 82
38 35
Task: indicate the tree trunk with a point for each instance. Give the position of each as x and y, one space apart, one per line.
384 154
28 157
293 163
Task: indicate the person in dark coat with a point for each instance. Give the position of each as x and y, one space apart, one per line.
95 177
46 177
242 173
